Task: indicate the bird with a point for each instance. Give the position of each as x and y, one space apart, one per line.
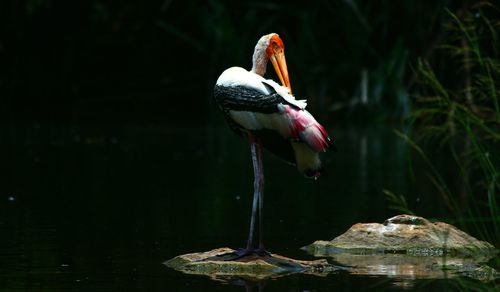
268 115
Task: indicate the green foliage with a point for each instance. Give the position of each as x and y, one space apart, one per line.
397 203
461 113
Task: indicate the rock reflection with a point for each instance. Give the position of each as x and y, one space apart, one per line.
401 266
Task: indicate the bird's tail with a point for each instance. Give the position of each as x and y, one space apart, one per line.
310 139
315 136
307 129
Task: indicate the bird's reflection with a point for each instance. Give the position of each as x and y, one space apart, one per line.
250 284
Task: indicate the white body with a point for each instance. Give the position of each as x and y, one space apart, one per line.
306 136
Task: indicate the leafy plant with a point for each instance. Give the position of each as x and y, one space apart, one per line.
461 113
397 203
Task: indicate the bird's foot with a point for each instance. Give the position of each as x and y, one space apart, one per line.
243 253
261 251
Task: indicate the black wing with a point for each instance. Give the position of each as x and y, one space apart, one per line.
275 144
241 98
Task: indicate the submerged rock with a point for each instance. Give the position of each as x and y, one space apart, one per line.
404 234
211 263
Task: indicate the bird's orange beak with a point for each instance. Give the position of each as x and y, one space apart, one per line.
279 64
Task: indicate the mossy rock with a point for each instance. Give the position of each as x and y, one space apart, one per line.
408 246
404 234
211 263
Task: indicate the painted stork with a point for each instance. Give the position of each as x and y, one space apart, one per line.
270 117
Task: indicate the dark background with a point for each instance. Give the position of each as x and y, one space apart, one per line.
115 158
158 60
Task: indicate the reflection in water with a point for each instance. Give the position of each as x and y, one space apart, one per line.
102 206
407 267
249 284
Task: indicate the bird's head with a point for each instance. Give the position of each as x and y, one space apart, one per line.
275 51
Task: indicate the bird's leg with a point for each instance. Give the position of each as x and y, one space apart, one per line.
256 186
260 175
258 198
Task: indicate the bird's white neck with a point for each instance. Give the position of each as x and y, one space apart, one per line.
260 59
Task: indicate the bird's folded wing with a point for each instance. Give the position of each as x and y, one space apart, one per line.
241 98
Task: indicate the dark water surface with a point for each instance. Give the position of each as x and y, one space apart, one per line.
101 207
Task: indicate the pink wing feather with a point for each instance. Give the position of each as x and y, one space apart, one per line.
307 129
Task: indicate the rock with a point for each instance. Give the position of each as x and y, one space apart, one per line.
404 234
409 247
252 267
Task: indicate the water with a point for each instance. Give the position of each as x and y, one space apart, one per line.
102 206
